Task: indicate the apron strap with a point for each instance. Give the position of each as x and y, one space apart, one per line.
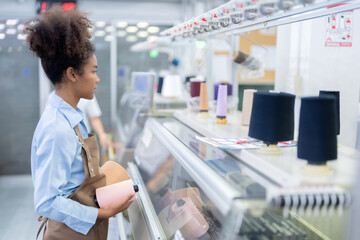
43 224
85 153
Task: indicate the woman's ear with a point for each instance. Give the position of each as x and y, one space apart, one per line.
71 74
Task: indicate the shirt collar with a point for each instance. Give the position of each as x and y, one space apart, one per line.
74 116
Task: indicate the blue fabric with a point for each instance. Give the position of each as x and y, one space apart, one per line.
57 167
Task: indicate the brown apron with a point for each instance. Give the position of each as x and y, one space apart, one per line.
94 178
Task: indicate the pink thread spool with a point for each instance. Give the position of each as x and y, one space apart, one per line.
247 106
107 195
221 107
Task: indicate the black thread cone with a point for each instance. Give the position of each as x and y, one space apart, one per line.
272 116
317 142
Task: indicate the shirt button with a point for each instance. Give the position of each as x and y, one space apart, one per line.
91 170
89 156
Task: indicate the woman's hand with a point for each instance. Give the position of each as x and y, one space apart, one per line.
115 208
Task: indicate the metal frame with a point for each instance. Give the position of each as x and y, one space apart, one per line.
297 17
146 205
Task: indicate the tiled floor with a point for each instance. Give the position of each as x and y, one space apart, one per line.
18 220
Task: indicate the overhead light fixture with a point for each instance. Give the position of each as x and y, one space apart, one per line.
131 38
108 38
20 27
142 24
151 38
142 34
12 22
100 24
21 36
121 33
153 29
91 29
200 44
99 33
10 49
109 28
121 24
11 31
2 26
2 35
132 29
154 53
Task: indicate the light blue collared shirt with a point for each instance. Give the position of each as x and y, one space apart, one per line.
57 166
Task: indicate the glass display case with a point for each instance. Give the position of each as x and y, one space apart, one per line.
191 190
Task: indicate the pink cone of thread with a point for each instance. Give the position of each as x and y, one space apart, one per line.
112 193
247 106
221 107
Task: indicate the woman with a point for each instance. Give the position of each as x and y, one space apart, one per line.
64 161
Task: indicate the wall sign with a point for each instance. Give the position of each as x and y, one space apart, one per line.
339 30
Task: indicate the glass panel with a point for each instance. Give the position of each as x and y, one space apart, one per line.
230 169
182 207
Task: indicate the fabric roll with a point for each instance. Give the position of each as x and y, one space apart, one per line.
317 141
247 106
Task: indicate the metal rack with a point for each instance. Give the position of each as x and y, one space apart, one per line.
299 12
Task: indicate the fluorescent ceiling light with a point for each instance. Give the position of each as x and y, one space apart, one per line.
142 34
10 49
109 28
121 24
153 29
11 31
131 29
2 35
100 24
121 33
20 27
12 22
108 38
151 38
99 33
21 36
2 26
131 38
142 24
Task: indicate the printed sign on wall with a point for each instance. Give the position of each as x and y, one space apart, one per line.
339 30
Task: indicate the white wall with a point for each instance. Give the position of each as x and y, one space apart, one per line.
305 66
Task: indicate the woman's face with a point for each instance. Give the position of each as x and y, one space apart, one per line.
86 86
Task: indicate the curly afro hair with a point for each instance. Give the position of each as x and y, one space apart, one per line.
61 40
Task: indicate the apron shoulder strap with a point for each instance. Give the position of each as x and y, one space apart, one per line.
78 133
84 152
